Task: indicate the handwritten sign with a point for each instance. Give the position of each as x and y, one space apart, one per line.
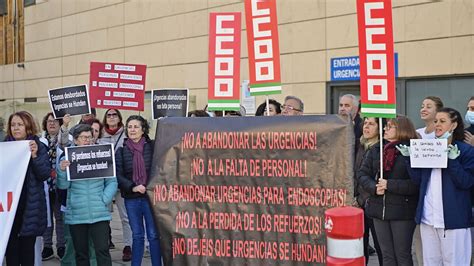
428 153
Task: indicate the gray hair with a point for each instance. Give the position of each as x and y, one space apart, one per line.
81 128
300 102
355 100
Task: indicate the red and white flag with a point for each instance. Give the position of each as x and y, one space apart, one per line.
224 61
263 47
377 68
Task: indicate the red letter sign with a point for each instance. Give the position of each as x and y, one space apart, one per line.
118 86
224 61
377 72
263 48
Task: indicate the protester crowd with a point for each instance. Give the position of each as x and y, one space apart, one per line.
432 207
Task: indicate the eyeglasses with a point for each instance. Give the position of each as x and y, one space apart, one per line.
387 127
84 138
112 115
289 107
52 121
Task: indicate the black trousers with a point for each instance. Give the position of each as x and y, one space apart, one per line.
20 249
395 239
99 232
369 228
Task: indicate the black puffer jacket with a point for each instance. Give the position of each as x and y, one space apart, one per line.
31 212
401 197
124 165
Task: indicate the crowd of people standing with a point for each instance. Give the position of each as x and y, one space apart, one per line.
432 207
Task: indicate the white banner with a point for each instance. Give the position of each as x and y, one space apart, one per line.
14 159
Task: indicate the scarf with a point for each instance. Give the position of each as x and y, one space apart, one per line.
139 170
111 131
390 153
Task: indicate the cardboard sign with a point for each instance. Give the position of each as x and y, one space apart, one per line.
263 47
170 103
249 190
377 73
224 61
73 100
90 162
118 86
428 153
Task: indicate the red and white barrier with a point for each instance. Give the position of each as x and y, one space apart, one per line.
345 236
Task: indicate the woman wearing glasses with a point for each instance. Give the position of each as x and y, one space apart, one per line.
134 162
444 208
393 198
87 213
114 133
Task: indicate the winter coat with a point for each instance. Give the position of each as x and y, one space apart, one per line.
87 200
32 209
360 193
124 166
457 180
401 196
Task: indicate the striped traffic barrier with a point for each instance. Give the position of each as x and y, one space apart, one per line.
345 236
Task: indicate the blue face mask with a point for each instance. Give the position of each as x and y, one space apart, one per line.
446 135
470 117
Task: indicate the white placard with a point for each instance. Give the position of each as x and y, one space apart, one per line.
428 153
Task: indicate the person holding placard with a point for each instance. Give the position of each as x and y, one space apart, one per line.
393 198
370 137
133 163
87 213
30 218
444 207
274 108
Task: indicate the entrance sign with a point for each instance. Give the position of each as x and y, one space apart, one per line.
224 61
263 47
248 190
118 86
377 73
73 100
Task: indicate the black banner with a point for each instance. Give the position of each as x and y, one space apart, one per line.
90 161
249 190
169 103
72 100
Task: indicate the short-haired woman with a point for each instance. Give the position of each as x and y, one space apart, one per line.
134 162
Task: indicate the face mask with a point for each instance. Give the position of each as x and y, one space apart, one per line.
446 135
470 117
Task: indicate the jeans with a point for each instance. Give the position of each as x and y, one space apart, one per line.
98 232
139 209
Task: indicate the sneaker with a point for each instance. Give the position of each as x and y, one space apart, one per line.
127 253
60 251
111 245
47 254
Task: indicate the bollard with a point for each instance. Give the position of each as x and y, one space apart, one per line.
345 236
